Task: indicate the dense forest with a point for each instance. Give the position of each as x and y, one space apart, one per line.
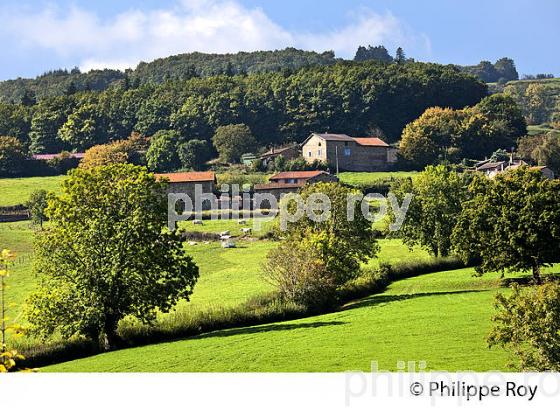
177 67
347 97
186 66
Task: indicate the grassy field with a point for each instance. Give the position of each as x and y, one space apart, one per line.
228 277
16 191
541 129
441 319
366 178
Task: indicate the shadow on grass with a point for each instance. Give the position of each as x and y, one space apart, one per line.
381 300
267 328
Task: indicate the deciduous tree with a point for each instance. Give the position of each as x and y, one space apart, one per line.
511 223
106 254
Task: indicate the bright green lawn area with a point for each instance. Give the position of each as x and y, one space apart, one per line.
228 277
16 191
18 237
366 178
259 226
441 318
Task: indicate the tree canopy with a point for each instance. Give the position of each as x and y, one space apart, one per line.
441 134
511 223
106 254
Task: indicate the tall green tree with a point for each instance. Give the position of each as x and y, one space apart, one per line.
12 156
106 254
437 197
162 154
511 223
232 141
37 206
194 154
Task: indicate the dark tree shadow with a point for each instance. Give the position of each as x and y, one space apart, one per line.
267 328
380 300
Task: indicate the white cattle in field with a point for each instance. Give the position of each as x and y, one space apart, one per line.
197 222
192 243
242 222
246 231
224 233
225 237
228 244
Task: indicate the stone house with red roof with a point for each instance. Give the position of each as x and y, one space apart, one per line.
344 153
286 182
186 182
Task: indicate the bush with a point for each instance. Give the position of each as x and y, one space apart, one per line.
528 323
300 276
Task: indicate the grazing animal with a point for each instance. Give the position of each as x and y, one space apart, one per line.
228 244
192 243
246 230
197 222
224 233
242 222
225 237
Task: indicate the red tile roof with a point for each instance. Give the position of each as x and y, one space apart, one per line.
296 175
188 176
371 142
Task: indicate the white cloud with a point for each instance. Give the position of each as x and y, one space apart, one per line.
217 26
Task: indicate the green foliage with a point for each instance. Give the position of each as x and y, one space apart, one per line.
162 154
510 223
105 255
444 134
377 53
538 99
299 274
504 70
193 154
278 107
37 205
437 197
232 141
337 241
12 156
527 322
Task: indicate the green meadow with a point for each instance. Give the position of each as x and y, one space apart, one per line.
16 191
439 319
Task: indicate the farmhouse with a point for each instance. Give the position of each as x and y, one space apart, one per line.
285 182
288 152
343 152
185 182
491 169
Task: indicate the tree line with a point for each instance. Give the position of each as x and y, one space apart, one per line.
278 107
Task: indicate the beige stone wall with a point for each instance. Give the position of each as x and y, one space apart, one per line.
351 155
315 149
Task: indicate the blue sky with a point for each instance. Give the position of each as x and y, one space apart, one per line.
38 35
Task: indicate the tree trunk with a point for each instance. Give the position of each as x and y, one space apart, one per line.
111 339
537 273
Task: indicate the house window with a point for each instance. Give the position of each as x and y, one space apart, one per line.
347 152
319 152
292 181
345 143
309 154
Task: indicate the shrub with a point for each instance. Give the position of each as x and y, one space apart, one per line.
300 276
528 323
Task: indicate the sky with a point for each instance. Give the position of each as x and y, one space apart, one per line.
38 35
